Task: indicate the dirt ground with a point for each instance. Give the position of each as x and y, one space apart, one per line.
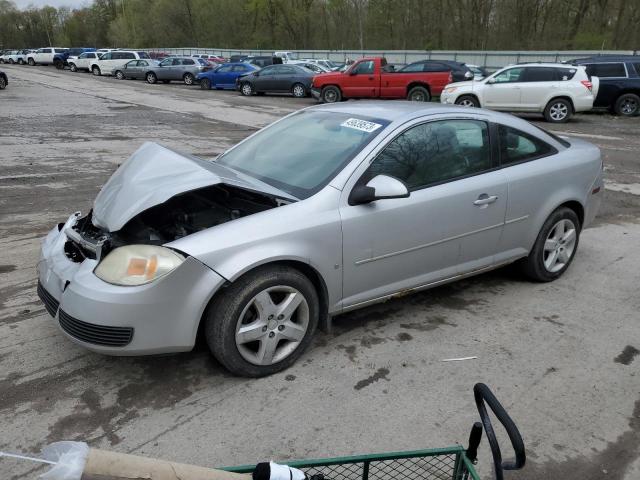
562 357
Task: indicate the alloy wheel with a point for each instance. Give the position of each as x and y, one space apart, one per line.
188 79
629 106
246 89
272 325
119 75
466 103
559 246
298 91
558 111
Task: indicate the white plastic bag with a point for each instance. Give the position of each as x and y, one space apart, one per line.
70 458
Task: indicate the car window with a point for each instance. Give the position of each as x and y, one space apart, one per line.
364 67
132 63
435 152
188 61
202 61
636 66
606 70
128 55
319 145
288 70
85 55
143 55
269 71
540 74
228 68
565 74
414 67
509 76
517 146
435 67
106 56
143 63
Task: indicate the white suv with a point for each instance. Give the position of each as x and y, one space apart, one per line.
115 59
43 56
554 89
84 61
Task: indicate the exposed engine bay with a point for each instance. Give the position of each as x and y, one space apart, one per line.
181 215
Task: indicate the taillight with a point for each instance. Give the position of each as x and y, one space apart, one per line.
587 84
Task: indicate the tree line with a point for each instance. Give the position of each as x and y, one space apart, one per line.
329 24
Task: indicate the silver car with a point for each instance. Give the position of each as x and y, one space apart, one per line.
184 69
330 209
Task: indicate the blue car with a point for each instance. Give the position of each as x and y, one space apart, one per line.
224 77
60 60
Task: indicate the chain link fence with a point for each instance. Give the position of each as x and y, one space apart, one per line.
488 59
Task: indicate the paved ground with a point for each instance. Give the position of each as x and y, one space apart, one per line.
561 356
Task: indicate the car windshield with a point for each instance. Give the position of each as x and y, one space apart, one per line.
303 152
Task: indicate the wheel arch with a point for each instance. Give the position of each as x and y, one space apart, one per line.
418 83
563 97
572 203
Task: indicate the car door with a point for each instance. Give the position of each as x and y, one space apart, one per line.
361 81
223 76
285 78
502 91
141 68
457 200
266 79
536 86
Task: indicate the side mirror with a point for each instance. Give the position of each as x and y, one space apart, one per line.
352 72
379 188
491 81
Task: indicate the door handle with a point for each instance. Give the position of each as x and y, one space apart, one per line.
485 199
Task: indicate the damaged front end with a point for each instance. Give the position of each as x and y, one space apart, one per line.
159 196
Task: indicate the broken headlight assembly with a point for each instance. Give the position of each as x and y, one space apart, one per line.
137 264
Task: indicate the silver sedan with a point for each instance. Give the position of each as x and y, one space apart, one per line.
330 209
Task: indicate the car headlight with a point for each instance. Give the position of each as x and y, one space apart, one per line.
137 264
450 89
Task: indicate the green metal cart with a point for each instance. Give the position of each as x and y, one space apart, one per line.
449 463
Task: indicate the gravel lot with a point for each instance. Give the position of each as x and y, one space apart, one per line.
561 356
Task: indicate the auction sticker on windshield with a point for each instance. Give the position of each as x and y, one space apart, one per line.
361 125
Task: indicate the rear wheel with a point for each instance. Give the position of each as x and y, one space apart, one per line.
263 322
331 94
246 89
72 67
3 83
299 91
12 61
205 84
558 110
189 79
468 101
151 78
119 75
59 65
419 94
96 71
555 246
628 105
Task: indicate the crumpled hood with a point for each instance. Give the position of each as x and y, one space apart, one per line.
154 174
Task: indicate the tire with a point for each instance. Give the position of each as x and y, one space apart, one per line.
11 61
627 105
31 62
558 110
468 101
151 78
298 90
205 84
59 65
552 243
21 61
96 71
3 83
234 308
72 67
419 94
331 94
246 89
1 61
119 75
189 79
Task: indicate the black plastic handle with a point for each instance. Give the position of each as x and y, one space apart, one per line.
484 395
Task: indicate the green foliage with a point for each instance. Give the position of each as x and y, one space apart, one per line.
329 24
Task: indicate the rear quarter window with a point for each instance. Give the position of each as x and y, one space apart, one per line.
565 74
607 70
636 66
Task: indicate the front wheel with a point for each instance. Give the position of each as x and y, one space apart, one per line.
246 89
96 71
189 79
151 78
331 94
558 110
59 65
12 61
72 67
627 105
299 91
31 62
419 94
3 83
20 61
205 84
119 75
555 246
468 101
263 322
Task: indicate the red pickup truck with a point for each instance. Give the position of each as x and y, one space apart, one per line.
367 78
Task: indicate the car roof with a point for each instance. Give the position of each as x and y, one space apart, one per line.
609 58
542 64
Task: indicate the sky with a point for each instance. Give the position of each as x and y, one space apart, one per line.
22 4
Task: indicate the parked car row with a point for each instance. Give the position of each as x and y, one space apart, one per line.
556 90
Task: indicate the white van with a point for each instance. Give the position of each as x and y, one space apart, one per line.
286 56
114 59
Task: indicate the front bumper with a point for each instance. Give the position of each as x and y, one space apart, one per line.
315 93
447 98
159 317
